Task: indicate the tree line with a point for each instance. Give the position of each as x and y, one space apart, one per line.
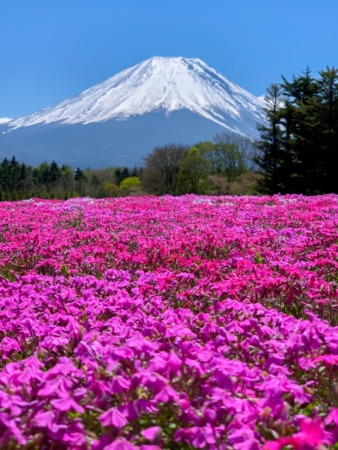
49 180
222 166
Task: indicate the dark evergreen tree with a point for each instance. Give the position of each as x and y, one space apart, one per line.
125 174
118 176
4 175
270 158
54 172
80 179
302 97
13 175
328 86
79 175
134 172
25 181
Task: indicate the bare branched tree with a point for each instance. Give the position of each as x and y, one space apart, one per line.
159 174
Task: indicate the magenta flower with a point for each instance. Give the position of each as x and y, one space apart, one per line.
10 427
167 394
46 419
150 447
113 417
331 360
121 444
311 436
119 384
151 433
276 445
7 346
67 403
332 417
174 363
311 432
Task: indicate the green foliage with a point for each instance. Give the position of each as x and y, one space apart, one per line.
109 190
298 148
130 185
130 182
217 167
193 172
160 172
20 181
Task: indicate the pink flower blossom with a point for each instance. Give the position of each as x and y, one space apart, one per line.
113 417
121 444
151 433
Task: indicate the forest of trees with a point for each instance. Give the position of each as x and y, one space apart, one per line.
298 148
222 166
297 153
20 181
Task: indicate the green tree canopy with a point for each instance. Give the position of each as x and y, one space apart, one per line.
298 147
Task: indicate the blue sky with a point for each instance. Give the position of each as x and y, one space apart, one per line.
52 50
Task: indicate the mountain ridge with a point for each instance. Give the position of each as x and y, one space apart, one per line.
158 101
158 84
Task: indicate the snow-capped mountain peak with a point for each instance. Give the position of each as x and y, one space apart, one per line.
158 84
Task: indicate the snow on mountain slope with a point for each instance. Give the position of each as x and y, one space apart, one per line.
158 84
4 120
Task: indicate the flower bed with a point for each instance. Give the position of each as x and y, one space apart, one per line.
174 322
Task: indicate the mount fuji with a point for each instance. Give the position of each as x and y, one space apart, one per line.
117 122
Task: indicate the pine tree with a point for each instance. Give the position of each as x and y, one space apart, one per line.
299 145
270 158
302 98
328 85
125 174
80 179
54 172
118 176
79 175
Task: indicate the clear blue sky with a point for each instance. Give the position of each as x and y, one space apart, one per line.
51 50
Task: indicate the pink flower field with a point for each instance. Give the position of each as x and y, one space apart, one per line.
169 323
